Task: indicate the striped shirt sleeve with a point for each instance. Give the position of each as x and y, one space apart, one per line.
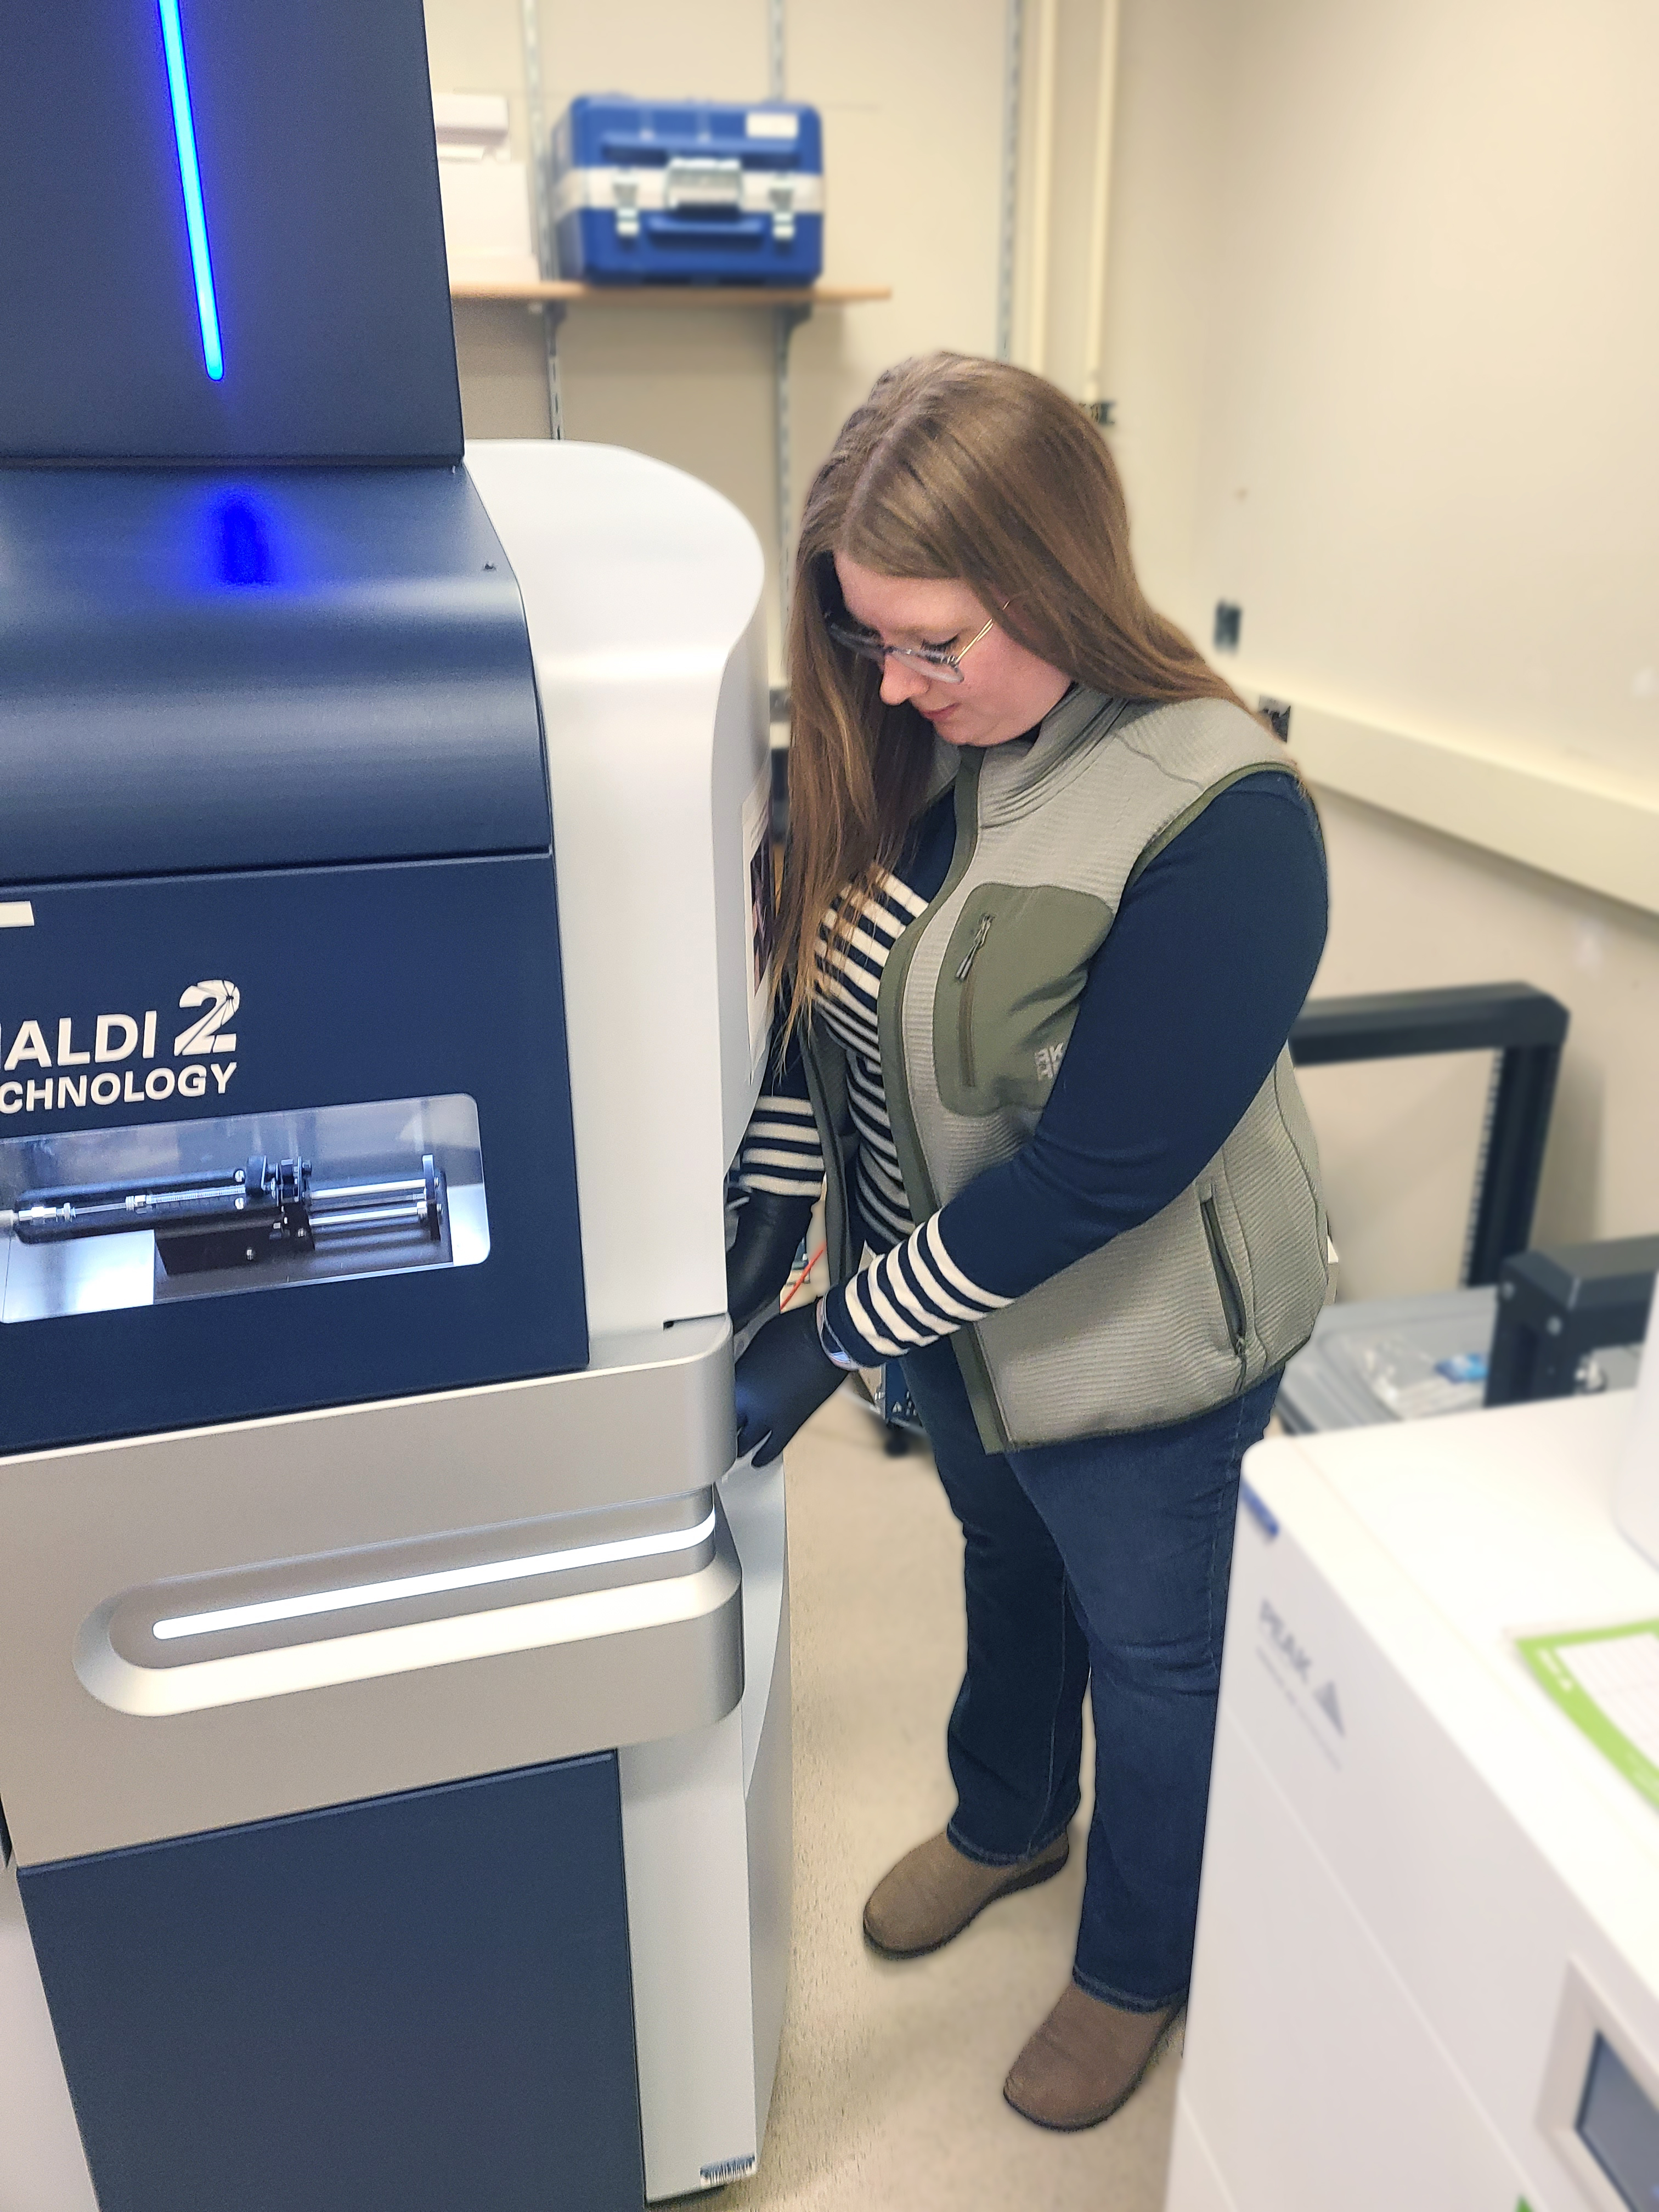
908 1297
781 1152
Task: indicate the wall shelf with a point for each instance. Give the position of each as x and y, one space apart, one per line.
555 291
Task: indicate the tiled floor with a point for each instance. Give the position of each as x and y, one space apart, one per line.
889 2090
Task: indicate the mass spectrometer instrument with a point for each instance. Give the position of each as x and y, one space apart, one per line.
393 1668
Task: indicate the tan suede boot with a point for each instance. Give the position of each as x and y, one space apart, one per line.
1086 2059
933 1892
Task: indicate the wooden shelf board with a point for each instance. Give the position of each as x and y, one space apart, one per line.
675 296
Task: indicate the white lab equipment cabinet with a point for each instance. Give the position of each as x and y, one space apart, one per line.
1427 1972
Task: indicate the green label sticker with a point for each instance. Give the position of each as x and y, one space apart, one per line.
1606 1681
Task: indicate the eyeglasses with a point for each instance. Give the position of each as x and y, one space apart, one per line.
929 660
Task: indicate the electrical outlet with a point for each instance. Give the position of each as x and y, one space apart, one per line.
1278 712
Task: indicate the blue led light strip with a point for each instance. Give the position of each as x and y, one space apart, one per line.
190 176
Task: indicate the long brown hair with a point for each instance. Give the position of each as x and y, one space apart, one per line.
971 471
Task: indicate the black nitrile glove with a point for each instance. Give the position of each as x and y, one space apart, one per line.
769 1230
782 1379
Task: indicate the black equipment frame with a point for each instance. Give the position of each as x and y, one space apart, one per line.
1524 1025
1556 1309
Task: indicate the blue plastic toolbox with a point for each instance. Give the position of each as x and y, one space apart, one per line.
688 192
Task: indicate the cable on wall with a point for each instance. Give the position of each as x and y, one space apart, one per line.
540 159
1008 213
785 322
1100 207
1046 69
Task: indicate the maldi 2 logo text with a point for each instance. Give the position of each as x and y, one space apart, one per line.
113 1059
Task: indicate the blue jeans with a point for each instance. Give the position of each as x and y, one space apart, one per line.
1101 1565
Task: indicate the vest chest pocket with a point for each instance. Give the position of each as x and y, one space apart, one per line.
1014 968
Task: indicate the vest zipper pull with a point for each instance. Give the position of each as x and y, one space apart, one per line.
980 936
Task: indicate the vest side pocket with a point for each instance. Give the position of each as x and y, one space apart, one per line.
1269 1169
1226 1281
1293 1114
1132 1337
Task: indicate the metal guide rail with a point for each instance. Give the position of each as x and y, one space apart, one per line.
265 1209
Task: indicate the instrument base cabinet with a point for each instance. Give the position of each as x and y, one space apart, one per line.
399 2006
560 1984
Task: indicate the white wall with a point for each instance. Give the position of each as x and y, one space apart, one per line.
911 97
1384 343
1415 243
1410 909
1382 334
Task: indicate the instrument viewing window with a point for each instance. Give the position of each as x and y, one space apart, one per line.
92 1220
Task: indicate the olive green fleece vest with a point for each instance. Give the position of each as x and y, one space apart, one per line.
976 1005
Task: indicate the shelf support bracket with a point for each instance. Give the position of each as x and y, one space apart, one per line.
786 321
540 158
552 313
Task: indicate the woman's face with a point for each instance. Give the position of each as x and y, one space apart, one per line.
1004 690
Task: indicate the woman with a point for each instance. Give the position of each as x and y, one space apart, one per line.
1053 899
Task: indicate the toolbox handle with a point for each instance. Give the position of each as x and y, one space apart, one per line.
634 149
671 229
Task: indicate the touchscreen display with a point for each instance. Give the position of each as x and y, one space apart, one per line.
1619 2124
